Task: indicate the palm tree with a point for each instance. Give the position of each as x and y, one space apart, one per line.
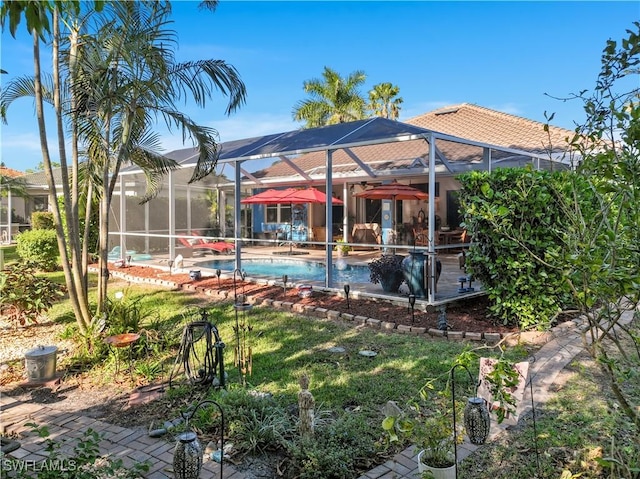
333 100
120 80
384 101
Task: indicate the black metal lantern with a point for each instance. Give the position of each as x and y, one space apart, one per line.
477 420
187 456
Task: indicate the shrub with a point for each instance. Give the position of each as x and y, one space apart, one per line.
518 222
39 247
338 450
25 296
42 220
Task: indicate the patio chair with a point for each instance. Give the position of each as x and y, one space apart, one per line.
199 244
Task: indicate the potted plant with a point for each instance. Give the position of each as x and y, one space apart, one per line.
431 431
342 248
387 270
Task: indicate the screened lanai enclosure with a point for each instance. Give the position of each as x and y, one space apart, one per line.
205 225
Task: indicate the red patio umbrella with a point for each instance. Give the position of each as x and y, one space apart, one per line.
393 191
292 196
267 197
309 195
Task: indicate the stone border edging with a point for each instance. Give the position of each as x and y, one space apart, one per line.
538 338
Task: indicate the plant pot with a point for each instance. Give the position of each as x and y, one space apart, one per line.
437 472
391 282
413 270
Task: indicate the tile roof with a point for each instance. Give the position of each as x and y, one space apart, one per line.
467 121
484 125
10 173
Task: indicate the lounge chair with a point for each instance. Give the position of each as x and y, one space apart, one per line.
200 244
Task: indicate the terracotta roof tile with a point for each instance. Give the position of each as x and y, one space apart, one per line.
466 121
10 173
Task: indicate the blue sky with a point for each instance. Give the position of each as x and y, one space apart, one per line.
503 55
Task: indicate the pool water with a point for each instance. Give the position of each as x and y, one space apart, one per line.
296 270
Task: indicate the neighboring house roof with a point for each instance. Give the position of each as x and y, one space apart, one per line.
39 178
10 173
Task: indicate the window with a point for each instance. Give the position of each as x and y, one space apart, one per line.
40 203
278 213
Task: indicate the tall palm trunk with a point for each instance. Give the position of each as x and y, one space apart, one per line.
80 308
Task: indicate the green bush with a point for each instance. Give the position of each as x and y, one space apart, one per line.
25 296
339 449
39 247
518 222
42 220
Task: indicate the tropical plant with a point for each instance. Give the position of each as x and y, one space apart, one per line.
24 296
342 247
384 101
601 242
387 269
333 100
120 77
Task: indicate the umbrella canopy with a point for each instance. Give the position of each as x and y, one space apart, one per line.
290 195
268 197
393 191
310 195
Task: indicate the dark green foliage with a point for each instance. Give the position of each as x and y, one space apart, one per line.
42 220
387 268
339 449
39 247
25 296
518 224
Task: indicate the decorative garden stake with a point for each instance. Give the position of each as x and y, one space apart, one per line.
170 263
218 273
129 260
187 454
412 304
442 318
285 278
306 405
347 288
477 420
453 404
243 352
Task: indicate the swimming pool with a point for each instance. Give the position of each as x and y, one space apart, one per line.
296 270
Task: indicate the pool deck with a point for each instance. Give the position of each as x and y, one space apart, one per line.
447 288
